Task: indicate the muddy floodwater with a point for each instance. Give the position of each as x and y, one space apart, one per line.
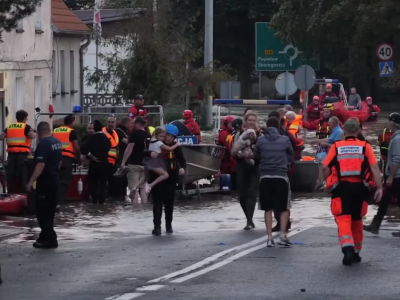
212 212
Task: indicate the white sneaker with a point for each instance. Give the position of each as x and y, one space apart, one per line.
270 243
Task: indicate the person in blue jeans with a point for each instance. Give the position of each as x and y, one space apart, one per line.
336 134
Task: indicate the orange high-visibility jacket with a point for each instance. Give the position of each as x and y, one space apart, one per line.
114 140
17 142
62 133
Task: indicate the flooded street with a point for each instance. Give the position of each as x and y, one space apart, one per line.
212 213
108 253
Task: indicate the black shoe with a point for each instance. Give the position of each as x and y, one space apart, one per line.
374 226
248 227
348 253
252 225
156 231
44 245
169 229
356 258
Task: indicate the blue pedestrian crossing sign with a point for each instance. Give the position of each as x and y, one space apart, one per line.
386 68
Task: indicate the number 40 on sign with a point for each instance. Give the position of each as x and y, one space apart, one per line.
384 51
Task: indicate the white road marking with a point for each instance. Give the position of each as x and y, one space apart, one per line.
150 288
130 278
231 259
127 296
208 260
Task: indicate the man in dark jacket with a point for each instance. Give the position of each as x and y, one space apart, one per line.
273 150
96 149
164 192
122 130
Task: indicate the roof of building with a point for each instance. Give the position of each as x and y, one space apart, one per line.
64 20
107 15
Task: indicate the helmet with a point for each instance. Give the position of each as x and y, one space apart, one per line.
329 86
172 129
394 117
315 98
228 119
139 97
328 106
369 98
237 123
187 114
151 130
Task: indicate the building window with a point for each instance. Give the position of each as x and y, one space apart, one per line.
38 91
72 71
62 71
20 27
38 26
19 92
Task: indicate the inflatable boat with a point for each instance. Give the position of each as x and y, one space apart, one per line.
303 175
340 111
11 204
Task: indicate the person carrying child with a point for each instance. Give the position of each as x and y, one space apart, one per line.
156 165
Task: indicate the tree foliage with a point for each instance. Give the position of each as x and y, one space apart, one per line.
152 58
12 11
344 34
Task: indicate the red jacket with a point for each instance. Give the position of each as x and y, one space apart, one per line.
326 95
373 108
193 128
138 112
313 112
222 140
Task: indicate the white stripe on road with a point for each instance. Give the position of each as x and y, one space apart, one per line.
127 296
208 260
230 259
150 288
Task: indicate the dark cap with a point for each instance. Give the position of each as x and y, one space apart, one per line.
394 117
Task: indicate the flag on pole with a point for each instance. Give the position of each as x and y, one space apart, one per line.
97 18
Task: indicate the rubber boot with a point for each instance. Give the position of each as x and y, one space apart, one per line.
356 258
168 228
374 226
348 253
156 231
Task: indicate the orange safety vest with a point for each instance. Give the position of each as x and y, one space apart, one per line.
351 161
294 128
17 142
113 153
62 133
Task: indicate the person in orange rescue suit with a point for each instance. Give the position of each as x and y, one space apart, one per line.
327 94
70 153
294 127
191 124
314 110
222 139
138 109
351 170
373 110
18 137
112 135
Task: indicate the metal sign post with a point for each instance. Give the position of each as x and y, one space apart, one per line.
304 77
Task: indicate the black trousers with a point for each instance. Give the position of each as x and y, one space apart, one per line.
247 178
97 181
120 185
163 194
16 168
393 191
46 204
65 178
112 181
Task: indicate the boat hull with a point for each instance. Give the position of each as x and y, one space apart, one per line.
12 203
343 114
303 176
202 161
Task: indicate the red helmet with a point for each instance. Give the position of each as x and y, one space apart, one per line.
315 98
228 119
329 86
187 114
369 98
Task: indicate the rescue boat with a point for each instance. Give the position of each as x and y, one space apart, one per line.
340 111
202 160
11 204
303 175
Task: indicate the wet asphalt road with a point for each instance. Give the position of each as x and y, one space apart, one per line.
108 253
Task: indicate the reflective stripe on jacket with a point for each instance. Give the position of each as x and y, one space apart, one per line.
114 140
62 133
17 142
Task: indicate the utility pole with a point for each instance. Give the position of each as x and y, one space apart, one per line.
208 54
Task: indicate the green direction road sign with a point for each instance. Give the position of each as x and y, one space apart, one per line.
273 55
